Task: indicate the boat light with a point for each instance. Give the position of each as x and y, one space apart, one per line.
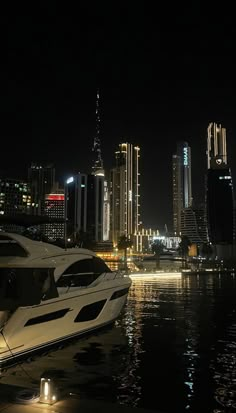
47 391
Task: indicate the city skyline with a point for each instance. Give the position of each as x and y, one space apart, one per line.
158 84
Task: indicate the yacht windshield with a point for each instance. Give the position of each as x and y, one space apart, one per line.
25 286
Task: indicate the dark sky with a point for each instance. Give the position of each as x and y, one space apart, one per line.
163 76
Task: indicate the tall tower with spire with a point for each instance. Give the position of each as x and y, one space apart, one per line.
97 167
100 182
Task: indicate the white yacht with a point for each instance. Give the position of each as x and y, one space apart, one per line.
48 295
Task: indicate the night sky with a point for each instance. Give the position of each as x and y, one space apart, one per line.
163 76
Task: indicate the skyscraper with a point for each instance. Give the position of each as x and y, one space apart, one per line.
97 170
219 193
106 212
220 205
41 181
84 206
182 183
125 193
216 145
193 225
15 198
54 207
95 204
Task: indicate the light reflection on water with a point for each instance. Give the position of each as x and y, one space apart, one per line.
173 348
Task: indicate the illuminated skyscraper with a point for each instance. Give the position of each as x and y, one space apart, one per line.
15 198
54 207
97 170
182 183
219 193
106 212
125 193
216 145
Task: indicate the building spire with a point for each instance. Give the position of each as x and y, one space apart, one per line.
97 167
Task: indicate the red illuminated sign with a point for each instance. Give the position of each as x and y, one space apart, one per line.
55 197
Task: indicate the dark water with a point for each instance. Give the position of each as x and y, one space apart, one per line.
173 349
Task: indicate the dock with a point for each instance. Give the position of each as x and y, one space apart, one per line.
207 271
69 404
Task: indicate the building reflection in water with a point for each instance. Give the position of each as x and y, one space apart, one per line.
142 321
208 359
133 322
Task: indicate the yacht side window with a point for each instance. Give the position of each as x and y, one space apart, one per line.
44 280
79 274
21 286
100 266
11 285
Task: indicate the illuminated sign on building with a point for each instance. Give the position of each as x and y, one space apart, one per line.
185 151
55 197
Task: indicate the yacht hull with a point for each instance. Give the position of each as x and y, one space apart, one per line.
35 328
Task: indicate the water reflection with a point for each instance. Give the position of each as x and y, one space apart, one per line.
224 374
172 349
84 367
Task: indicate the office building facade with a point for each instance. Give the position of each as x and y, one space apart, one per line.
15 198
54 207
220 206
194 225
